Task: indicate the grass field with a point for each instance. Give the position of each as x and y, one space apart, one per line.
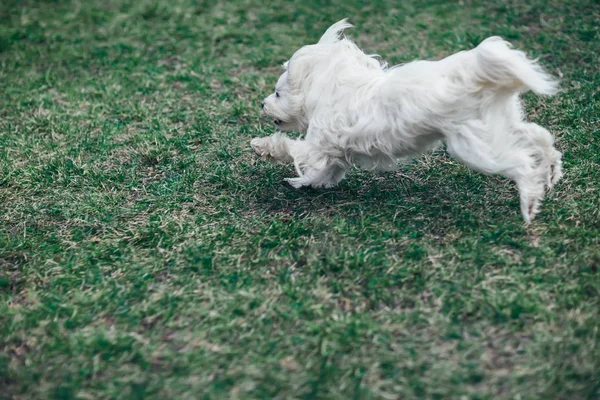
145 252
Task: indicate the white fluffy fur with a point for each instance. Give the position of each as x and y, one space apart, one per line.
356 110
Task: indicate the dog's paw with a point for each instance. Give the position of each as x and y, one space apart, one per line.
261 146
296 182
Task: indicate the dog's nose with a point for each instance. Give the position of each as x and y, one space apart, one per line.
262 105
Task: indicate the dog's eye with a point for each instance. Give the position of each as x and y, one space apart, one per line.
277 94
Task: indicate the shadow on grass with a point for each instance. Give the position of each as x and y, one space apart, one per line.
429 197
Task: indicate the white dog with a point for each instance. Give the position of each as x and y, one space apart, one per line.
356 110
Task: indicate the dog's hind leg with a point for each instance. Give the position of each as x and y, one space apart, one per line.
541 138
543 169
524 154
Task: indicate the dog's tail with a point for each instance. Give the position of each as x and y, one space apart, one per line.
500 65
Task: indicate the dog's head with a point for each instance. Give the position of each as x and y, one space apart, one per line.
304 82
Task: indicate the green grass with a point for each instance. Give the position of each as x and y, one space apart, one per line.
145 252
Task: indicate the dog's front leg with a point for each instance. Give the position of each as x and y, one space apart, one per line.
327 177
314 167
275 147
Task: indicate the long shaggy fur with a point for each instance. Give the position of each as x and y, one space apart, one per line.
355 110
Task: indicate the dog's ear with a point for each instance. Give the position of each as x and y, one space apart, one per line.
334 33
